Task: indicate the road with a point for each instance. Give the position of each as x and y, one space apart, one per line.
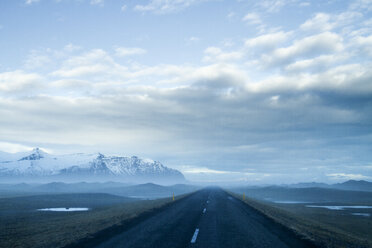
207 218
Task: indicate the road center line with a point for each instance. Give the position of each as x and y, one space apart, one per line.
193 240
204 210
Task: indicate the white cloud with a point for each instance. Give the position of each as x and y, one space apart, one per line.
269 40
194 39
129 51
310 46
231 15
71 48
29 2
13 148
323 61
18 81
93 56
361 5
272 5
252 19
81 70
123 8
36 60
71 84
364 44
346 176
215 54
197 170
305 4
97 2
89 63
320 23
346 79
347 17
205 174
166 6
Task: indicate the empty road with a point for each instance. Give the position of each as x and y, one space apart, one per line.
207 218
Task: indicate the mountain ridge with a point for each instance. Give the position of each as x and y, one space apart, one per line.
40 164
356 185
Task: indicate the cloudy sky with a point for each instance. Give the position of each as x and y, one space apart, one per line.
271 91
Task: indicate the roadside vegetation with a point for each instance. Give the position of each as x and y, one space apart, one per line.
25 227
326 228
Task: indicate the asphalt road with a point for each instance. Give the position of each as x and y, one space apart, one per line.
207 218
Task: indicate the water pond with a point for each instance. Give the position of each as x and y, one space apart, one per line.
63 209
338 207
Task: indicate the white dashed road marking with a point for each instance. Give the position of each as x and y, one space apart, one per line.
193 240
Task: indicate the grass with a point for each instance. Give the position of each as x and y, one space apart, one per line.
326 228
58 229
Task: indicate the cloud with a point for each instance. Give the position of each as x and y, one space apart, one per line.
268 41
364 44
124 8
215 54
322 62
320 23
13 148
272 5
345 176
89 63
197 170
36 60
310 46
71 48
305 4
205 174
129 51
361 5
97 2
346 79
166 6
80 71
19 81
346 18
29 2
252 19
194 39
98 65
231 15
289 99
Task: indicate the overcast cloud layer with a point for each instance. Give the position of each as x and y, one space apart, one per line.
267 91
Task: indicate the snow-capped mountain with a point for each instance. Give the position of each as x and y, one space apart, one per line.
39 164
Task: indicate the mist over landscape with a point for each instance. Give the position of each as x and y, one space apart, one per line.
185 123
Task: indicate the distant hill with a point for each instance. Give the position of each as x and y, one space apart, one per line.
147 190
309 185
360 185
276 193
355 185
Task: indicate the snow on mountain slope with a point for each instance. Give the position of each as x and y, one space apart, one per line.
40 163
